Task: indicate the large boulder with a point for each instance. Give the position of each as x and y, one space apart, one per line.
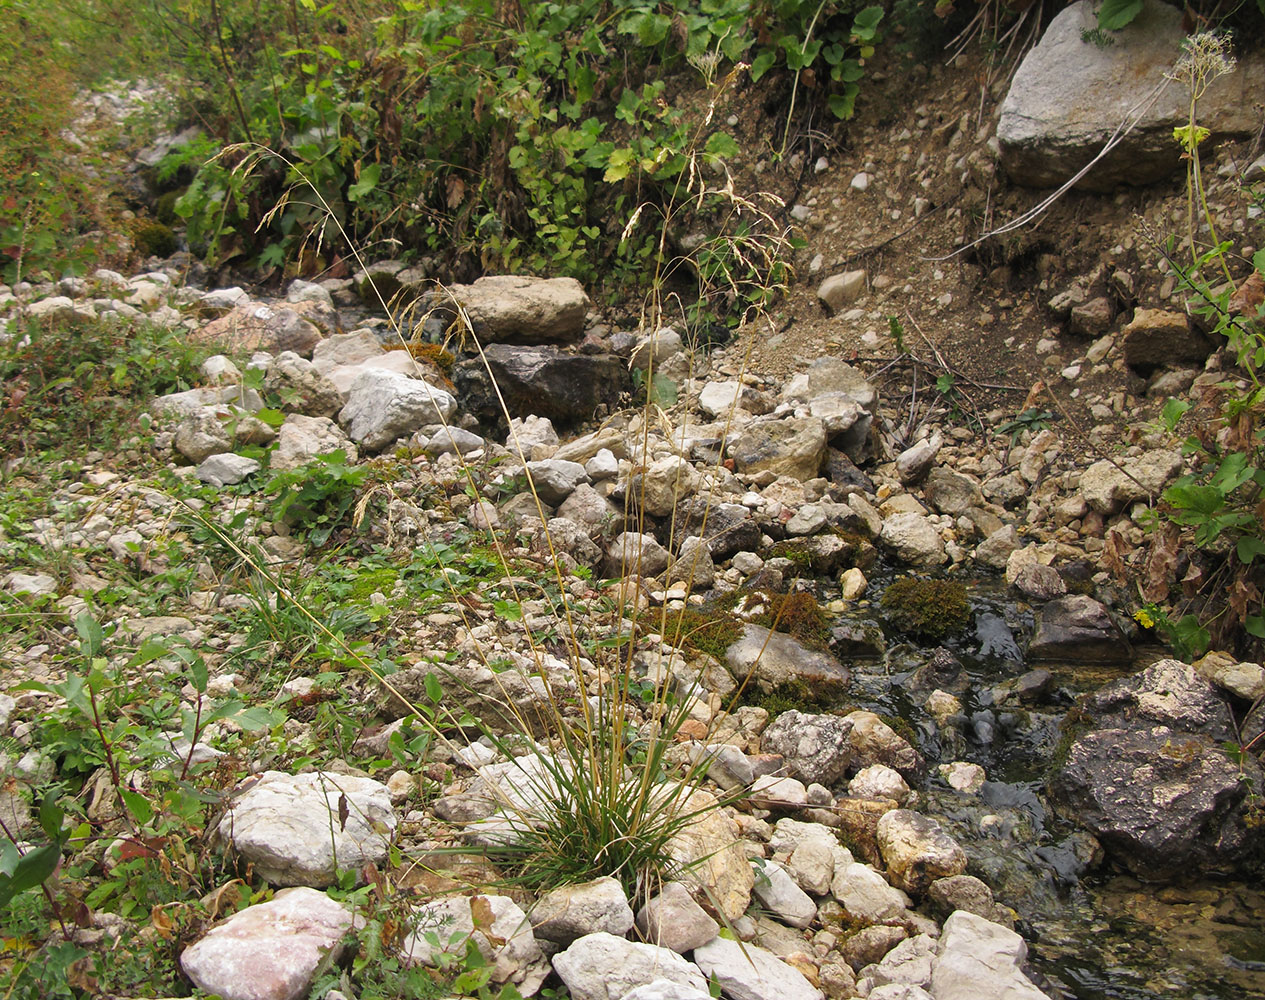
520 309
815 747
793 446
602 966
541 381
748 972
774 660
979 958
383 406
1069 96
1078 629
1152 781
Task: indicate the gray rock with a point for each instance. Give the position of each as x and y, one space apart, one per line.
839 290
776 659
531 432
673 920
980 959
831 375
1078 629
995 550
226 469
793 446
257 327
521 309
301 387
917 851
346 349
781 897
605 967
308 291
663 989
635 552
913 464
204 433
219 301
658 490
1048 130
290 827
270 951
966 892
573 911
748 972
451 440
693 565
815 747
878 781
951 493
1109 486
1243 680
870 945
913 539
383 406
34 584
909 963
301 439
541 381
655 348
865 894
498 928
709 851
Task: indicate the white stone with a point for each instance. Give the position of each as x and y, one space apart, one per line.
748 972
979 958
781 896
496 925
605 967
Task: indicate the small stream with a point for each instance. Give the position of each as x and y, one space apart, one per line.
1094 932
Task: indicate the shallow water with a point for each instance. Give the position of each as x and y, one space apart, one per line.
1093 933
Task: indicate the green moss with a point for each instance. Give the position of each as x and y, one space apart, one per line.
165 207
797 615
794 550
793 695
928 609
710 631
380 581
153 239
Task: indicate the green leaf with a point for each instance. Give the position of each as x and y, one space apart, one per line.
762 64
434 690
1115 14
137 805
51 816
254 719
722 144
33 868
1255 624
866 22
368 181
9 858
198 672
1258 258
91 637
1249 547
619 165
1173 412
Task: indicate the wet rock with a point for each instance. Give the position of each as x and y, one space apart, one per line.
1048 130
541 381
748 972
292 829
873 741
942 671
1151 782
573 911
605 967
917 851
496 926
383 406
673 920
793 446
524 310
776 659
1078 629
979 958
815 747
301 439
270 951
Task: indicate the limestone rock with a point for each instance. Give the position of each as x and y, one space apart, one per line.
520 309
573 911
917 851
226 469
605 967
979 958
635 552
748 972
673 920
710 851
383 406
301 439
270 951
776 659
840 289
1159 338
290 827
498 928
913 539
303 388
865 894
1109 486
793 446
204 433
815 747
1049 129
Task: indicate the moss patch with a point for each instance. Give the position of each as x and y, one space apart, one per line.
705 631
927 609
153 239
797 615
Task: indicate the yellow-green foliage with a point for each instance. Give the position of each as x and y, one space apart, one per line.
798 615
928 609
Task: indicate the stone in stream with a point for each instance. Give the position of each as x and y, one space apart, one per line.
1078 629
917 851
1152 782
978 958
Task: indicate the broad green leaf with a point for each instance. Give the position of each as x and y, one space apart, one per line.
619 165
722 144
137 805
865 23
762 64
9 857
254 718
434 690
1249 547
1173 411
33 868
1255 624
51 816
92 638
1115 14
368 181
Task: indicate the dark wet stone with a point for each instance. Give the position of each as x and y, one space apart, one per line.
942 671
1078 629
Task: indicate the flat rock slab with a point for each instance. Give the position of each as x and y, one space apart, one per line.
776 659
525 310
605 967
747 972
1078 629
1069 96
301 829
270 951
979 958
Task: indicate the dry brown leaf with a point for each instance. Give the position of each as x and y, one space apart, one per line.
1244 596
482 917
1161 564
1114 549
1192 581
